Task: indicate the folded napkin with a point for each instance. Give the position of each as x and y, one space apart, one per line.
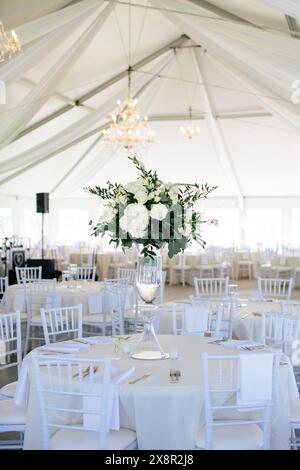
93 403
2 353
195 320
100 340
255 378
19 302
95 302
63 347
241 344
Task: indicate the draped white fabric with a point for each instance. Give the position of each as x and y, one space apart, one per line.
16 120
53 145
289 7
13 70
35 29
269 75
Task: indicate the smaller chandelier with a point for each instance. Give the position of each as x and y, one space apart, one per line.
189 131
9 43
127 129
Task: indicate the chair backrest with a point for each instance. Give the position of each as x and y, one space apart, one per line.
211 287
80 389
25 275
64 322
10 341
85 273
274 288
290 307
221 314
3 291
127 273
280 330
197 319
222 392
115 298
39 295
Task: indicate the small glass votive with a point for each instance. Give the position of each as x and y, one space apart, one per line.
174 354
126 349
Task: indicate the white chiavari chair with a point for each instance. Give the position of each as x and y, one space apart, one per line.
228 424
3 292
62 323
290 307
211 288
222 314
280 330
205 269
96 321
180 270
85 273
269 289
12 417
199 319
41 294
78 389
115 298
25 275
10 348
244 265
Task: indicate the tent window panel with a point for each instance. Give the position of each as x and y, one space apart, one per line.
73 226
227 232
264 227
296 227
32 227
6 225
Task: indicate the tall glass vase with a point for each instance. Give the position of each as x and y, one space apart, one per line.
148 281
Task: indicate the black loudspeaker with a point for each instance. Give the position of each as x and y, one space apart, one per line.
42 203
48 267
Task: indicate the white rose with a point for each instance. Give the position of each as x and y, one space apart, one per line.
135 220
158 211
141 197
135 186
108 214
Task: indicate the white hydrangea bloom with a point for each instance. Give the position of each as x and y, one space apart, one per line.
158 211
108 214
135 220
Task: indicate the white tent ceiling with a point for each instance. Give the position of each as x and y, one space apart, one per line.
239 83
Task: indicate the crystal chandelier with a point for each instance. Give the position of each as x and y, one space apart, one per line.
9 43
127 128
189 131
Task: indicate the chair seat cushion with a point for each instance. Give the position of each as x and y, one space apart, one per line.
65 439
242 437
9 390
295 411
11 413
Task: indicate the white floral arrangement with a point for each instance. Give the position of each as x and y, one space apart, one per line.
151 213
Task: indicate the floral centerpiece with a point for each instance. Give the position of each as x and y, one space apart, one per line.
151 213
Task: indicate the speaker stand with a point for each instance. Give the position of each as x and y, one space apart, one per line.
42 235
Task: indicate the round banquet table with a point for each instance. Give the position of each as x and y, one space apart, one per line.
164 415
71 292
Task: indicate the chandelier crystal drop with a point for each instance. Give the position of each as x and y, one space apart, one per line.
127 128
189 131
9 43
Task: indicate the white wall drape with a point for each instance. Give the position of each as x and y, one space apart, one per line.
289 7
17 119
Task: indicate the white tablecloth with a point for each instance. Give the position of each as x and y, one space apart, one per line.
165 415
72 293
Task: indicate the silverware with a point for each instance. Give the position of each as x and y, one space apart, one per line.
139 378
77 340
